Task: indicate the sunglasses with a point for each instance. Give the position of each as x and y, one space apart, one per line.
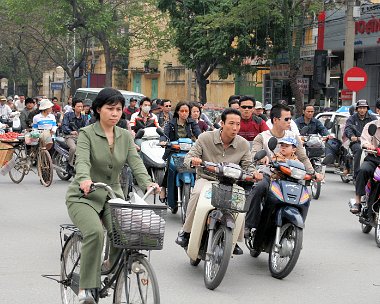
287 118
184 111
168 106
246 107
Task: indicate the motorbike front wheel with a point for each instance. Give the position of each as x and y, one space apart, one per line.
366 228
216 266
61 162
316 189
185 201
283 259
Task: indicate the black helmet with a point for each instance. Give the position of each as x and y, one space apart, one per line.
362 103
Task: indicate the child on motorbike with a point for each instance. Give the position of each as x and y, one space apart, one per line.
288 147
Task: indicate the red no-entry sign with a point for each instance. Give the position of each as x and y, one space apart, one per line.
355 79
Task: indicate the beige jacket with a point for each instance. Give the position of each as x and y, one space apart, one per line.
209 147
367 139
261 143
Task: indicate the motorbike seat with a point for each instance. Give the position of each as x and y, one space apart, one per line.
61 142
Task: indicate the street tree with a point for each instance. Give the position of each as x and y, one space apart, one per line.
206 38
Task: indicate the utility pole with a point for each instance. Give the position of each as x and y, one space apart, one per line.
349 44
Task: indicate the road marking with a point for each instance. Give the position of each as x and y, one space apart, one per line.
355 79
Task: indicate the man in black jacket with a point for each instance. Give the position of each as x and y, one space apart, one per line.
354 128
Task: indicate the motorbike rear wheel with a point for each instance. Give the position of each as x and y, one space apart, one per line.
61 162
281 263
216 266
316 189
377 232
185 201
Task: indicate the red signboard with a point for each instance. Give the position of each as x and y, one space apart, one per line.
346 95
355 79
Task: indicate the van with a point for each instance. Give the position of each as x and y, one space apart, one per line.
91 93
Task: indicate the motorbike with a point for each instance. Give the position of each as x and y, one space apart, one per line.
369 214
315 150
284 211
151 153
218 220
347 161
180 178
60 158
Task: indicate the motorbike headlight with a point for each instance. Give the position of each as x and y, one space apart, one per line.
232 172
185 146
297 173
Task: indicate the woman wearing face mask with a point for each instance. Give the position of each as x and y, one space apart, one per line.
144 118
181 126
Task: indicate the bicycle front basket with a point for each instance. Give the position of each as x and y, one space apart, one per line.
180 165
139 227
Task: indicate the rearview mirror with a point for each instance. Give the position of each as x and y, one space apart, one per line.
328 124
216 125
372 128
272 143
260 155
140 133
329 159
304 130
160 132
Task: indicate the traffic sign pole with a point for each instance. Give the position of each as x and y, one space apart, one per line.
353 98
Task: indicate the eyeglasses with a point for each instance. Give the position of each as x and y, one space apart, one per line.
246 107
168 106
184 111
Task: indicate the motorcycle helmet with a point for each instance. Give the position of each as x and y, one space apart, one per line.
362 103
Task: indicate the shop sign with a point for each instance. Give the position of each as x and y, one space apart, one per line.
303 84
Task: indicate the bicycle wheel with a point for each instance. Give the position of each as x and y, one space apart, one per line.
70 266
45 168
18 172
137 283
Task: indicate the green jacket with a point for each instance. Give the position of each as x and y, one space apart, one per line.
95 161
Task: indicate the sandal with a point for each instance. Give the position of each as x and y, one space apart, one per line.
162 199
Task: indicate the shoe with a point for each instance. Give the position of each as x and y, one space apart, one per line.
183 239
85 297
162 200
355 209
237 250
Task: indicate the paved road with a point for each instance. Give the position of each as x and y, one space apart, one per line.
338 263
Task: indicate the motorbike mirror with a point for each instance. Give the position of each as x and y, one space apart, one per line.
139 134
217 126
304 130
272 143
329 159
372 128
328 124
160 132
260 155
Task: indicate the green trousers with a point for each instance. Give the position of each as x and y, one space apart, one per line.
90 223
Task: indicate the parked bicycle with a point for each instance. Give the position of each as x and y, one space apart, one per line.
136 227
28 151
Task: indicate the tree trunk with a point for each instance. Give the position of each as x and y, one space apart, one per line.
202 85
108 62
296 91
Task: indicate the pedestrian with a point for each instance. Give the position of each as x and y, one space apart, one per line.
259 111
102 150
68 107
11 103
5 110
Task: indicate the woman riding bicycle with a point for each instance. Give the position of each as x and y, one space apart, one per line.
102 150
181 126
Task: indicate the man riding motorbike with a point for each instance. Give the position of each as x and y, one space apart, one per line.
313 124
220 145
72 122
280 117
369 165
144 118
354 128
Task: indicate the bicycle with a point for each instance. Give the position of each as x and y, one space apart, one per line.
136 227
25 158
